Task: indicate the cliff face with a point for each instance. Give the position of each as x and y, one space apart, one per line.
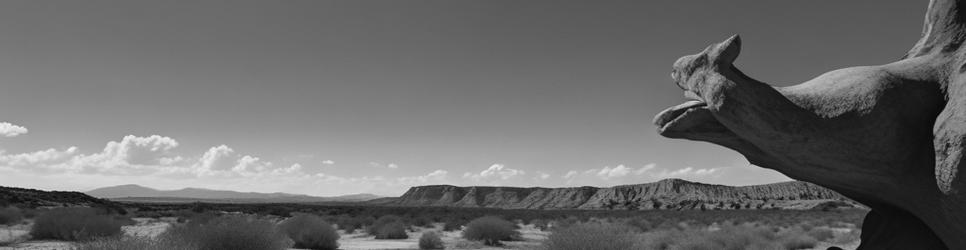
673 194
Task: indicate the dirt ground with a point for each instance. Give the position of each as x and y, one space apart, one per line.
358 240
452 240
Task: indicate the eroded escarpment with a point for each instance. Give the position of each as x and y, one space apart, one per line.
671 194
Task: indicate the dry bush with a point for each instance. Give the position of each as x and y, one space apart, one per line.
540 224
75 224
10 215
232 232
602 236
388 227
310 232
453 225
136 243
742 236
430 240
393 230
491 230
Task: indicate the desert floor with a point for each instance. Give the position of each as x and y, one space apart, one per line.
358 240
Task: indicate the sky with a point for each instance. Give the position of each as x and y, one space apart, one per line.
343 97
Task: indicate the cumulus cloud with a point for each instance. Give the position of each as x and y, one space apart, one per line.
38 159
618 171
392 166
570 174
644 169
137 155
623 174
543 176
131 155
10 130
224 161
495 171
438 175
328 162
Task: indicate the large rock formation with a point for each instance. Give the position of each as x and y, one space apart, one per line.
672 194
890 136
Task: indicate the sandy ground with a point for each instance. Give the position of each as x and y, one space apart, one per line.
359 240
452 240
18 235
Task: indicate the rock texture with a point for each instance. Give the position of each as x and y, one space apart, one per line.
25 197
890 136
673 194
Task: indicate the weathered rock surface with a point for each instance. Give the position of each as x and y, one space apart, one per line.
890 136
666 194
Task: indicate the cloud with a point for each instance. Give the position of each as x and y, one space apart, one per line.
570 174
10 130
644 169
131 155
618 171
328 162
496 171
543 176
380 165
148 155
38 159
223 161
438 175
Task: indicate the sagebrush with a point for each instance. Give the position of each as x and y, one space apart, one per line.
310 232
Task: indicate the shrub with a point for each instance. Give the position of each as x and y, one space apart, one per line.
233 232
453 225
388 227
640 224
491 230
10 216
393 230
310 232
136 243
430 240
540 224
422 221
74 224
592 236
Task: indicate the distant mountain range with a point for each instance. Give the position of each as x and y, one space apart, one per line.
138 193
669 194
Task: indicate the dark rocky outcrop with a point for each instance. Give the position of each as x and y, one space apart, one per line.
24 197
890 136
673 194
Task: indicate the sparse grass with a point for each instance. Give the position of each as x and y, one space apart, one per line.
491 230
76 224
10 215
231 232
310 232
430 240
136 243
393 230
600 236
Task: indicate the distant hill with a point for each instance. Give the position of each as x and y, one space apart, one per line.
145 194
24 197
672 194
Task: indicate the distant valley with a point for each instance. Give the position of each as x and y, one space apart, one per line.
136 193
